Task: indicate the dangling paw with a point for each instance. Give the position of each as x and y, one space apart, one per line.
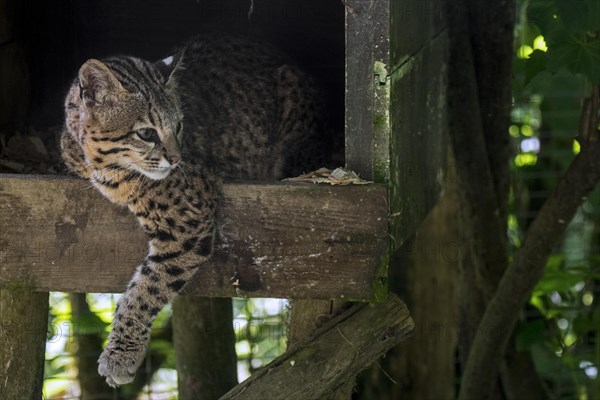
119 365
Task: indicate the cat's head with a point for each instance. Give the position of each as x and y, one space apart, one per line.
124 113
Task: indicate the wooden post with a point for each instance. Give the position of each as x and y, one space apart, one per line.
23 328
204 343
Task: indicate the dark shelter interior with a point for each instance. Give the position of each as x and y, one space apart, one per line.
45 43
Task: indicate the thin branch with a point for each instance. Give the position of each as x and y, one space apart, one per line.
527 268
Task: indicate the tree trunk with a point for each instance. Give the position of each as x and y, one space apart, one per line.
316 367
23 328
205 347
88 338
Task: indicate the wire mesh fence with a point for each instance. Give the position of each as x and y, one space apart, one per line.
76 334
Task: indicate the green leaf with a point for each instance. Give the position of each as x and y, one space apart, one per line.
557 282
548 364
561 106
578 54
558 279
583 324
530 333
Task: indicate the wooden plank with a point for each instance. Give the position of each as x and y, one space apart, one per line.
413 24
367 88
367 100
419 136
359 87
380 119
330 357
279 240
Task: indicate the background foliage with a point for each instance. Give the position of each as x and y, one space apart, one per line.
259 326
556 65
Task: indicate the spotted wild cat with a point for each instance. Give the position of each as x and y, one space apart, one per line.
157 138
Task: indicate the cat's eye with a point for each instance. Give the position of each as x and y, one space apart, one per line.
179 127
148 135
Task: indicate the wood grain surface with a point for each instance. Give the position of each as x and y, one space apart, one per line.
275 240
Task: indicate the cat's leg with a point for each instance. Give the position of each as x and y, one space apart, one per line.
155 283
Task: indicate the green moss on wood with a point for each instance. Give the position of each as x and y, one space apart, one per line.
381 172
380 281
379 121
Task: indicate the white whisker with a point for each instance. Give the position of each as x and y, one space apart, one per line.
184 174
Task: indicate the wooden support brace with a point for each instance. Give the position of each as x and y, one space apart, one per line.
338 351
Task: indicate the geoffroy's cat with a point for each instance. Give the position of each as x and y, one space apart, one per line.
158 137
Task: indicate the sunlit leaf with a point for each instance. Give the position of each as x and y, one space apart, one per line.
558 279
539 43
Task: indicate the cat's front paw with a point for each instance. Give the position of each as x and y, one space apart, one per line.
119 365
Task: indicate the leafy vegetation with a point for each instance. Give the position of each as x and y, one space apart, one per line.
258 325
556 66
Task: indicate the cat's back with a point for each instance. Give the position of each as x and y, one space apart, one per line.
229 71
217 53
249 110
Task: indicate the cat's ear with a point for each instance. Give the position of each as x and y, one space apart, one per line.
98 85
167 65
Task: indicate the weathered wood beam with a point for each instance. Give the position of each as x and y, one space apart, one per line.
278 240
332 356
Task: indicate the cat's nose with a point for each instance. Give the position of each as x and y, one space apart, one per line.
173 159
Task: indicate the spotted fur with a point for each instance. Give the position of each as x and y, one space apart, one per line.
157 137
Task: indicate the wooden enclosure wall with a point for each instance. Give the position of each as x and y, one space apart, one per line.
418 144
396 54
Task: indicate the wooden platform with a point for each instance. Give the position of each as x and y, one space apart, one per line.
278 240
